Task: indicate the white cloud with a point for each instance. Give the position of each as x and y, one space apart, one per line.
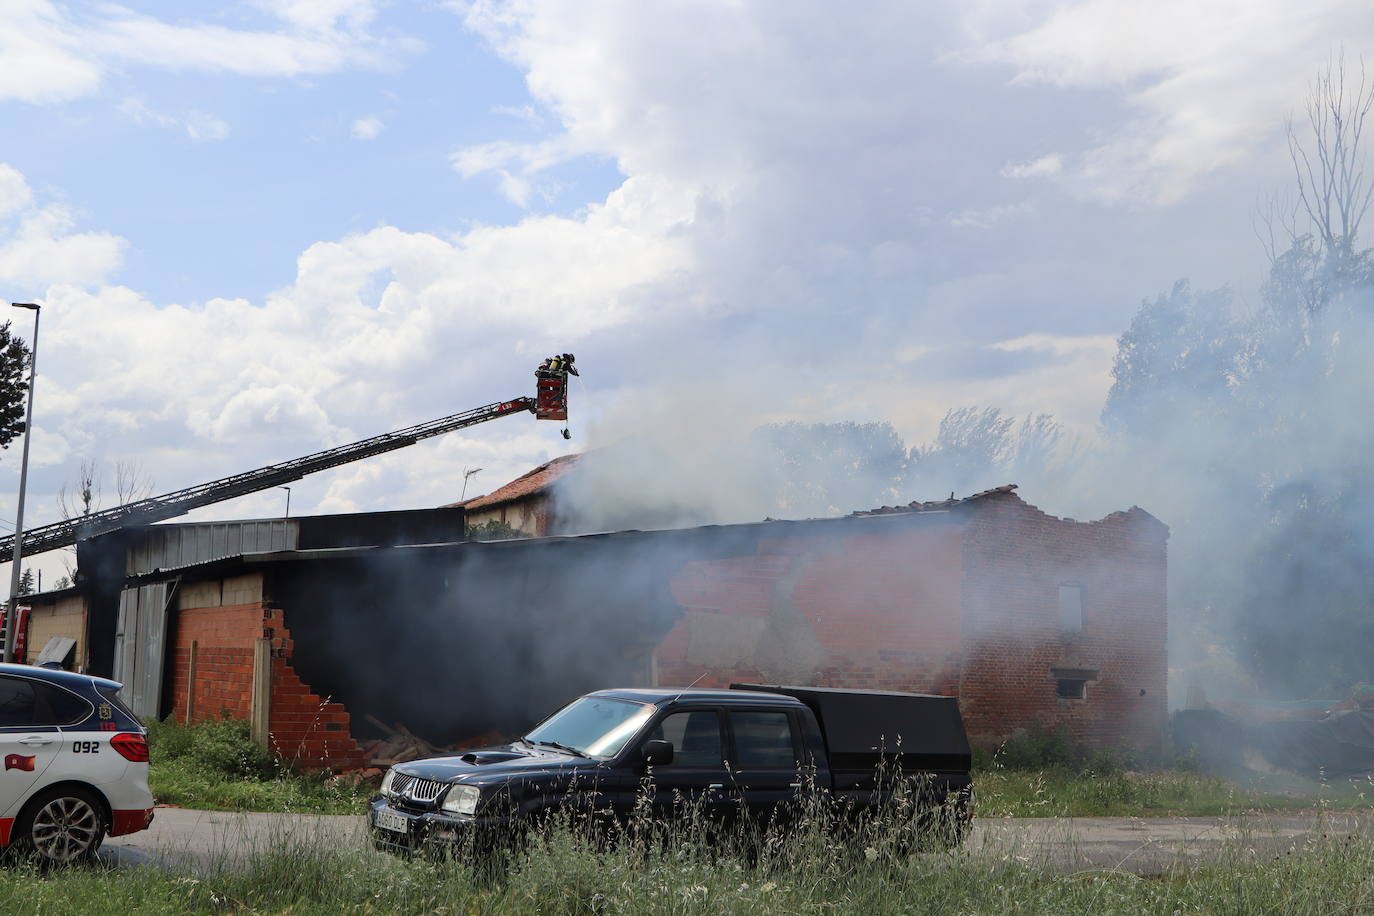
196 124
987 217
49 448
42 246
1098 344
377 330
525 113
51 53
366 128
791 174
263 410
323 15
41 58
1206 82
1045 166
14 190
205 127
516 165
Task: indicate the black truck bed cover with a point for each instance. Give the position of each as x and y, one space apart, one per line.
861 727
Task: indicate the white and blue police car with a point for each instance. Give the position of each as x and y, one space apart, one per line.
75 764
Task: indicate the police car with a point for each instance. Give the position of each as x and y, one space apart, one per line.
75 764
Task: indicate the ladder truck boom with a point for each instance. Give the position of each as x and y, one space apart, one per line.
550 403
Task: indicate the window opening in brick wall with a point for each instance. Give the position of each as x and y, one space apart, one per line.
1071 608
1071 688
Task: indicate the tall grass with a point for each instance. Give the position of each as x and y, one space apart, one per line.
216 765
1042 773
808 867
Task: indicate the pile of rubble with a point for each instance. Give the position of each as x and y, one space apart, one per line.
401 744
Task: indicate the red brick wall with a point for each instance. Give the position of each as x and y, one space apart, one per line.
964 605
224 660
305 729
1016 557
877 610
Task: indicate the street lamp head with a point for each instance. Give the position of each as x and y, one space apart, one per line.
26 305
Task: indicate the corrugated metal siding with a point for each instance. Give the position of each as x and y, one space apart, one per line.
171 546
140 646
141 635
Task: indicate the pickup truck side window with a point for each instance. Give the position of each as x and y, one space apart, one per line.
764 740
695 736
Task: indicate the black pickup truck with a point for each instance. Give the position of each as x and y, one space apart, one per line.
751 751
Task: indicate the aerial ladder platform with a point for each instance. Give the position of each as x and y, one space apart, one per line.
549 403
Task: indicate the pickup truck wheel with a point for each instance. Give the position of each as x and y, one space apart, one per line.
61 826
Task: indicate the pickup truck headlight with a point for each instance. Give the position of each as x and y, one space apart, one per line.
387 780
461 800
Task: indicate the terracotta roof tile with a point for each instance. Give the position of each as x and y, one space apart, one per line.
526 484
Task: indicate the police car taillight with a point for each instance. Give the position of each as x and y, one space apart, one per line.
131 747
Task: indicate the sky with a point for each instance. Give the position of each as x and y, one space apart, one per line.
265 227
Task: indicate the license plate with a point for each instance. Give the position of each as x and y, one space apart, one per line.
390 820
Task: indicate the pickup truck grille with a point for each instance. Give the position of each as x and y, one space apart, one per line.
417 789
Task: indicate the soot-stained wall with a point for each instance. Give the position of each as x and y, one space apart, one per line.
872 607
457 640
1017 646
963 603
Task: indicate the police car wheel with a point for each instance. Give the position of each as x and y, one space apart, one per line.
62 826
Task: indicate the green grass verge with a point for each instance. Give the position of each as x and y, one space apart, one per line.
1063 792
215 765
567 875
1039 773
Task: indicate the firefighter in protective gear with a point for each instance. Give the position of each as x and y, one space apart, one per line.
556 366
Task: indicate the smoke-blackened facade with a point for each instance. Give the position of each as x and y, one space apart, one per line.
1030 620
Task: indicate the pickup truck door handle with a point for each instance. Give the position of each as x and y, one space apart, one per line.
715 787
37 739
794 785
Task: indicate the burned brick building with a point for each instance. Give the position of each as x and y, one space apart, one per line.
526 504
319 629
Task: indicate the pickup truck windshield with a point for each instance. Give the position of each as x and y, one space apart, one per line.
595 726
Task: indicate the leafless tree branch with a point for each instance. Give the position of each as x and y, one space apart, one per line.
1332 187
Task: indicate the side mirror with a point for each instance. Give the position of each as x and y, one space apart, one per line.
658 752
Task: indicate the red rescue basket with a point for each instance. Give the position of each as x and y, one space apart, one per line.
551 387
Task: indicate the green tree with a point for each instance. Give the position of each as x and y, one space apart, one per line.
1245 426
14 367
492 530
980 447
1175 363
825 468
26 583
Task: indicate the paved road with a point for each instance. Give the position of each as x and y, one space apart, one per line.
182 837
185 837
1156 844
